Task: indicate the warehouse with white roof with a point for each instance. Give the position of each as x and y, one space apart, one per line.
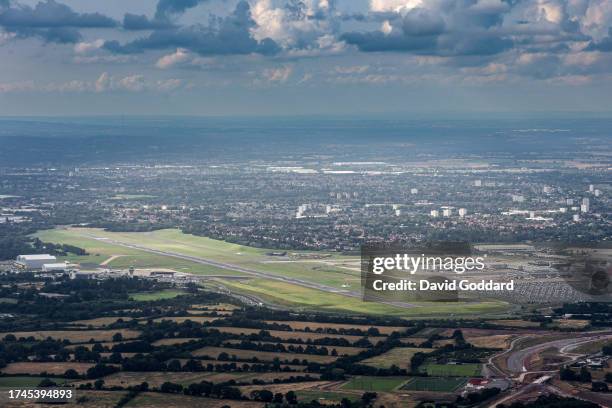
35 261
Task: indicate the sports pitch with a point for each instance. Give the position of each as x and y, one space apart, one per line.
434 384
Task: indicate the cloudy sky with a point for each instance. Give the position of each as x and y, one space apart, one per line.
226 57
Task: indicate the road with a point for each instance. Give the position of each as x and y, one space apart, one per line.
237 268
517 360
516 366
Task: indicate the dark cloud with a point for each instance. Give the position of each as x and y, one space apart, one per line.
225 36
421 22
142 22
425 31
51 21
604 45
168 8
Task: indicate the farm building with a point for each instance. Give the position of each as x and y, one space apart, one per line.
35 261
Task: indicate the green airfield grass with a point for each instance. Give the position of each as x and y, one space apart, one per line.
299 296
434 384
314 270
382 384
452 370
152 296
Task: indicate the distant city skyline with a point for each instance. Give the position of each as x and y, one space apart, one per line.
292 57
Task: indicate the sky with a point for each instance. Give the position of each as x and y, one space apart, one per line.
294 57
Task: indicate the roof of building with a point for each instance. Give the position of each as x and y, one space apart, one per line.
55 265
36 257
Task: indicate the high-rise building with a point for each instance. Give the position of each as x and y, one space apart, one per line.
434 213
462 212
447 212
477 183
414 191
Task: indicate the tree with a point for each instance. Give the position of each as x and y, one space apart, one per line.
278 398
98 384
599 386
585 375
71 374
117 337
171 388
291 397
368 397
262 395
47 383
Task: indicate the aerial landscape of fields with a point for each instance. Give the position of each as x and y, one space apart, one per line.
306 204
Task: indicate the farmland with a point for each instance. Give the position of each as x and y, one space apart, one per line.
76 336
251 355
164 294
50 368
27 381
399 356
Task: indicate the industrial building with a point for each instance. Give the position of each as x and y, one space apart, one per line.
35 261
56 267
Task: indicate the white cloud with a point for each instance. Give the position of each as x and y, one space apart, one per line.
181 55
355 69
88 47
5 37
280 74
294 25
104 83
394 5
21 86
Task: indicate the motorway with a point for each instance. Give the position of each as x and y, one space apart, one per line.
517 362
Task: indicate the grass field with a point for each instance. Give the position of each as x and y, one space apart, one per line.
342 351
76 336
380 384
152 296
13 382
50 368
155 400
295 325
433 384
326 397
249 355
400 356
452 370
100 321
181 319
328 271
305 298
172 342
295 335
